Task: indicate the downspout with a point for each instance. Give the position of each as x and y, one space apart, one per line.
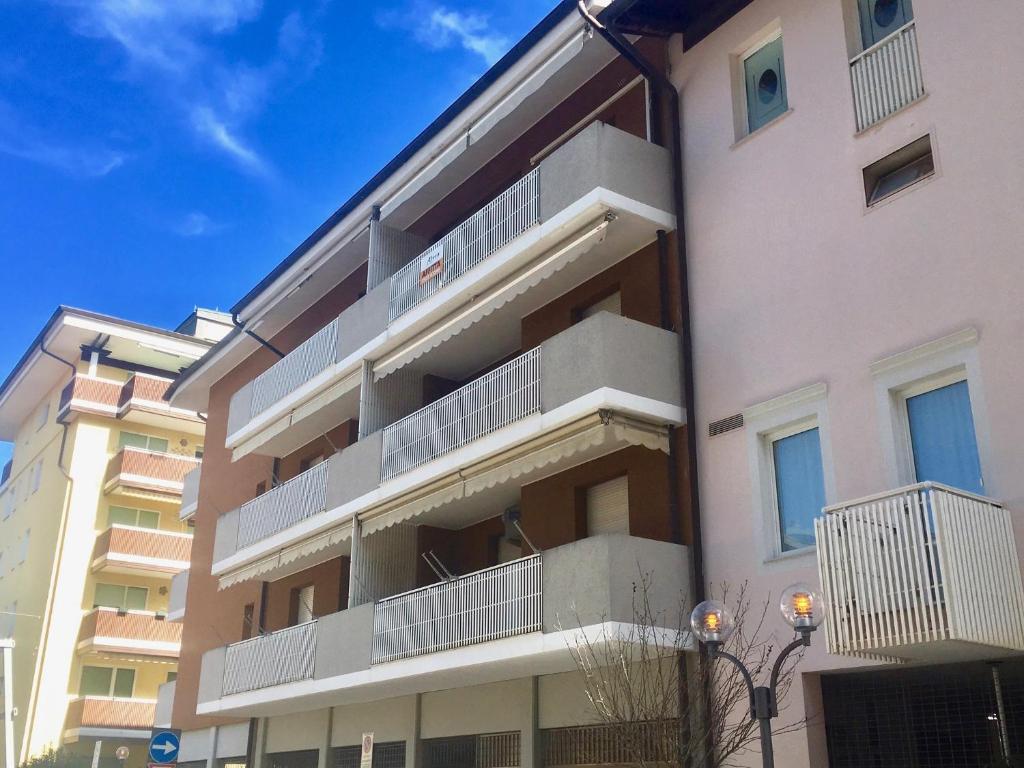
259 339
58 561
658 79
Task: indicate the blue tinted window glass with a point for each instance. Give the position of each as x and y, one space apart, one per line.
942 435
799 487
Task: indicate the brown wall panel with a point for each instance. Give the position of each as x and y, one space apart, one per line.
328 580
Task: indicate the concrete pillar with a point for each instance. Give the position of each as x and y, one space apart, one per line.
413 757
8 666
260 751
324 761
355 587
529 741
211 757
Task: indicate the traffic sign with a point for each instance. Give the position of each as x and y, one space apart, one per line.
163 746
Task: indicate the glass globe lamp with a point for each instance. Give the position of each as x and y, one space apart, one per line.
803 607
712 622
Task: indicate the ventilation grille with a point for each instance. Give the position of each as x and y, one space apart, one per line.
386 755
490 750
628 743
727 424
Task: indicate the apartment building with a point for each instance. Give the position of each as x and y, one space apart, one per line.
90 530
459 413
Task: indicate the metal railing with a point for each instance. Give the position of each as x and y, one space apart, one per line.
921 564
492 227
497 602
886 77
296 368
505 395
279 657
289 503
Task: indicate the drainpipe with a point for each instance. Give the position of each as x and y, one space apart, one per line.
657 79
263 342
58 561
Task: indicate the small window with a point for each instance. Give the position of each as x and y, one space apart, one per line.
903 168
172 676
199 452
302 605
146 442
880 18
248 617
943 439
764 81
107 681
121 597
799 487
608 507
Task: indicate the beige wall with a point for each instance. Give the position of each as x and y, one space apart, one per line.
794 282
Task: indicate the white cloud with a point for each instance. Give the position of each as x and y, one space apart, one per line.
196 224
213 128
439 27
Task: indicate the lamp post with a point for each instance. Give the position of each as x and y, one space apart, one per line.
803 608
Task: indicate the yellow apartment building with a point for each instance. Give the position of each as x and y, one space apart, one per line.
91 531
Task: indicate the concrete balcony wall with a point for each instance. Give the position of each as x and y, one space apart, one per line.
142 549
179 593
190 493
164 705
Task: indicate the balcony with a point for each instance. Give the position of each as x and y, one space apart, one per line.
574 398
886 77
140 400
148 474
179 593
107 630
122 549
190 494
604 193
513 620
164 705
923 573
106 717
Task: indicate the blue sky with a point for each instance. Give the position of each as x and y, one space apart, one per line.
159 155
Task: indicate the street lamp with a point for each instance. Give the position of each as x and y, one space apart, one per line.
803 608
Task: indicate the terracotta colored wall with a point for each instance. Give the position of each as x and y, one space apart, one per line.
340 437
462 551
330 592
554 509
636 277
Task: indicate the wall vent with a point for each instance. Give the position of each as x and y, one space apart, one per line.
727 424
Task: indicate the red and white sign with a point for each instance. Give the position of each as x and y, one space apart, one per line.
431 263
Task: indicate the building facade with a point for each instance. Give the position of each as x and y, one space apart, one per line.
506 378
90 530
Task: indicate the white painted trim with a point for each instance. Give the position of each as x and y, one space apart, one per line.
921 369
765 422
603 398
115 559
128 645
73 734
157 531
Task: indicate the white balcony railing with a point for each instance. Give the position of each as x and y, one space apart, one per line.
507 394
272 659
886 77
492 227
919 565
487 605
289 503
303 363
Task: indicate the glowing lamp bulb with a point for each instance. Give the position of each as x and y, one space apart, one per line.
802 607
712 622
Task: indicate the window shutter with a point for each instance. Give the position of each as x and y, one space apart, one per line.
305 604
765 78
608 507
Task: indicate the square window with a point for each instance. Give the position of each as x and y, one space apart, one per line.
764 83
881 18
799 487
146 442
124 683
95 681
898 171
608 507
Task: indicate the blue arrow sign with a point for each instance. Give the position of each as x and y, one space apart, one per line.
163 747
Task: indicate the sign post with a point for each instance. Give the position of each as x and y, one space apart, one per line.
164 744
366 758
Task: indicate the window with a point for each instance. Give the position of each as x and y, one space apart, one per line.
37 475
136 518
107 681
42 416
942 437
764 82
608 507
301 605
880 18
248 617
799 486
199 452
172 676
898 171
133 440
122 597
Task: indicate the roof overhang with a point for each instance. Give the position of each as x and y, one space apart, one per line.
64 334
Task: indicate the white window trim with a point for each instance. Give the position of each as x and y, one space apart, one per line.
772 420
921 369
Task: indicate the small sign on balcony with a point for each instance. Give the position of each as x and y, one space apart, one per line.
366 757
431 263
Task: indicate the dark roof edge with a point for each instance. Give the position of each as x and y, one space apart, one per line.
549 22
63 309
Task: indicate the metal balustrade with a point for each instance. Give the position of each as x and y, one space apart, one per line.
497 602
886 77
289 503
296 368
272 659
921 564
495 400
491 228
